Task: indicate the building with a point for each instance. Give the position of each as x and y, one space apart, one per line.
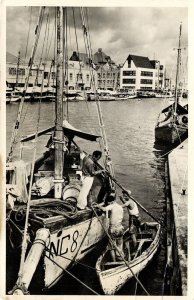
139 73
160 75
106 72
78 76
17 70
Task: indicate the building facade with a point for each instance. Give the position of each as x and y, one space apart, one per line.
140 74
78 76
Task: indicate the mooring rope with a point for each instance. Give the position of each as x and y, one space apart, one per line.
69 273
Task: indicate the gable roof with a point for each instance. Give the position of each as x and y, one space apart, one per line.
10 58
141 61
79 57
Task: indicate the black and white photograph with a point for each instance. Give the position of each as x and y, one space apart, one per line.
94 124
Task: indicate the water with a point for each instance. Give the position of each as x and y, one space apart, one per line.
130 133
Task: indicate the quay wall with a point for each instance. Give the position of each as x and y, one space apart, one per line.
177 219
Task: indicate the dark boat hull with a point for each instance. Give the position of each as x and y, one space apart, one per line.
171 134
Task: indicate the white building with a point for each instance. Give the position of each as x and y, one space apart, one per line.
138 73
78 76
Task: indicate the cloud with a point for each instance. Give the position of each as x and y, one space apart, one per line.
146 31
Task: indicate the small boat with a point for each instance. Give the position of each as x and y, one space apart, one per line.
113 275
125 96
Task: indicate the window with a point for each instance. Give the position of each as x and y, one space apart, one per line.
70 76
79 76
145 88
129 63
53 75
45 75
146 81
99 75
129 81
87 77
21 72
146 73
12 71
129 73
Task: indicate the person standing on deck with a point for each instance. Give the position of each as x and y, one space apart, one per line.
134 220
89 170
116 229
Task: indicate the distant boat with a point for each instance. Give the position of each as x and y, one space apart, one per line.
113 275
102 95
172 124
125 95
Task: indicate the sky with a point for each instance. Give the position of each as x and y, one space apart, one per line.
119 31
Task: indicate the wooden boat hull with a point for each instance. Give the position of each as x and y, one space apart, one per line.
72 245
113 279
170 134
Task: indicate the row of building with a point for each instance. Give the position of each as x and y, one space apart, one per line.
136 73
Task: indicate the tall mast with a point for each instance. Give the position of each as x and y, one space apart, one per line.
59 137
17 71
178 65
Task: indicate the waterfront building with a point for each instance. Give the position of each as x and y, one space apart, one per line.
139 73
17 68
78 76
107 73
160 74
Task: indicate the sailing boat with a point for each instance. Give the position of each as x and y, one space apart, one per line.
172 125
44 216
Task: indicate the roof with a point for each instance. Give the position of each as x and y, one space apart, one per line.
10 58
141 61
79 57
97 58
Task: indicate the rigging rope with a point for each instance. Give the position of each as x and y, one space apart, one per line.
69 273
31 60
24 242
108 161
28 33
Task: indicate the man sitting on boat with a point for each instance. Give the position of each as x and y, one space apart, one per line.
116 229
134 220
89 170
169 115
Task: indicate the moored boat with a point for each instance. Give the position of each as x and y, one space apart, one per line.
113 275
173 128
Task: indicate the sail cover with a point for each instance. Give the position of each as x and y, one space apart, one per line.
180 109
71 131
68 130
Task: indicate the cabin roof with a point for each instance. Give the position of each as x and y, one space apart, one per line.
180 109
68 130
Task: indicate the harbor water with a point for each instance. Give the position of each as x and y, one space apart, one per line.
130 134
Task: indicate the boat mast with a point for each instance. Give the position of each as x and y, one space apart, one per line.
17 71
59 137
178 65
